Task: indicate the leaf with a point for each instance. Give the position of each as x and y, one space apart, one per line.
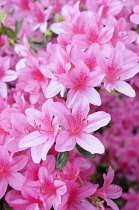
18 26
62 160
10 33
84 152
38 44
48 39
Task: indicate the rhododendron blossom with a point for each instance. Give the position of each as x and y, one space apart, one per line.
9 168
46 128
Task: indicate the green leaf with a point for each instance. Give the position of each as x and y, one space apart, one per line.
62 160
10 33
38 44
48 39
84 152
18 26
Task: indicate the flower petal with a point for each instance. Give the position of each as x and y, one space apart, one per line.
3 186
16 180
33 139
90 143
64 142
96 121
125 88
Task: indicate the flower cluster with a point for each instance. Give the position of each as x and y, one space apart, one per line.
57 61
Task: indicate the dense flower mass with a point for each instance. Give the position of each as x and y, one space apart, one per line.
69 79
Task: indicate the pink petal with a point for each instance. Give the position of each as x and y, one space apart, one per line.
46 148
16 200
115 8
33 116
4 155
33 139
5 63
106 34
36 153
97 120
60 187
114 191
90 143
125 88
80 109
92 95
18 163
86 205
10 76
53 89
136 9
19 122
112 204
3 186
109 177
64 142
3 89
16 180
33 207
72 97
135 18
86 191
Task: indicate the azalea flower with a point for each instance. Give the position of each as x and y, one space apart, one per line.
77 126
9 168
109 191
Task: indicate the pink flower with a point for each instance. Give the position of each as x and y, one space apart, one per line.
39 16
76 127
132 199
81 82
51 189
24 200
31 78
75 196
109 191
121 65
8 171
46 128
59 64
6 75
